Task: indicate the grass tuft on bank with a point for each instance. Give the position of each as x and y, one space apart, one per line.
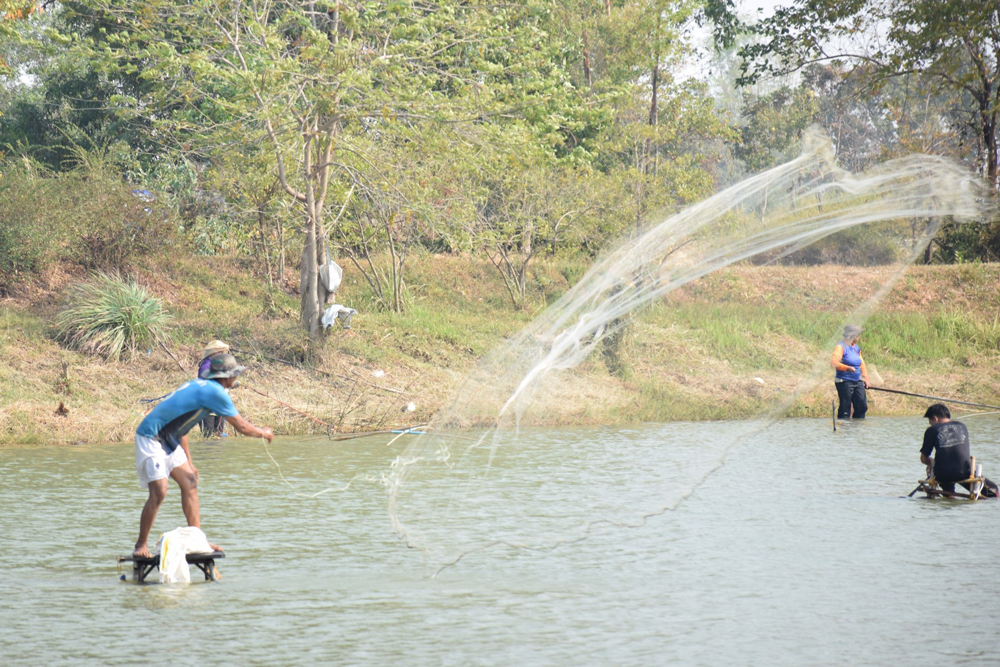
112 317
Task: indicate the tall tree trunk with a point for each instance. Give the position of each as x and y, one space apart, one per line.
653 110
656 81
316 173
989 122
308 278
586 60
310 267
988 97
281 249
262 227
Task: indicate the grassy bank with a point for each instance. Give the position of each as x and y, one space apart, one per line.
726 346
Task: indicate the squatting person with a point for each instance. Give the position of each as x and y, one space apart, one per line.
852 376
161 442
953 462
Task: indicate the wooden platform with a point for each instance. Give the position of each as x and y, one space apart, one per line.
931 488
141 567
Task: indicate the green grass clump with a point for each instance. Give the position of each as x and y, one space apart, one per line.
111 317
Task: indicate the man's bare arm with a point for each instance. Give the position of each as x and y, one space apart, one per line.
246 428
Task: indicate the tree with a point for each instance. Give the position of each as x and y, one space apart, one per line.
952 44
318 82
13 12
772 123
246 175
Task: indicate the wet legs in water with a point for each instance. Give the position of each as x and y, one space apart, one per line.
186 478
990 488
212 426
851 395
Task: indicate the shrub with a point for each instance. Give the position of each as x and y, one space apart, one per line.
105 223
864 245
88 216
112 317
25 245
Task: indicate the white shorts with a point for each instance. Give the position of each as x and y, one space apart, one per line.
152 461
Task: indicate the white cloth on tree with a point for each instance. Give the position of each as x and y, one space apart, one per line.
340 313
331 274
174 546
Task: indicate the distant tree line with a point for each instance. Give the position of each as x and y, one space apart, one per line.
292 132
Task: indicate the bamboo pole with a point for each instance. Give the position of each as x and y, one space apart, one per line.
934 398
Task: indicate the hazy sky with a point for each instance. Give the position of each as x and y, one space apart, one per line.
761 8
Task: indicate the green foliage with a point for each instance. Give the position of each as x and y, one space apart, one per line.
68 98
968 242
950 46
88 216
25 245
911 339
865 245
111 317
752 338
20 254
13 14
772 124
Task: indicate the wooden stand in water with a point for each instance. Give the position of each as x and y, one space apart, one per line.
141 567
931 488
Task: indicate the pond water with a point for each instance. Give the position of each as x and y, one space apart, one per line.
798 551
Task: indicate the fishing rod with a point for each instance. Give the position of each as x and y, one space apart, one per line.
934 398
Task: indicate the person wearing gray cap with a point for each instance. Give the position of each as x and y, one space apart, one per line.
161 441
852 377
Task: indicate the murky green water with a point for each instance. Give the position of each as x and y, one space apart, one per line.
798 551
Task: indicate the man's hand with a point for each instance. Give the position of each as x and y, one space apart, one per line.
243 427
195 470
865 380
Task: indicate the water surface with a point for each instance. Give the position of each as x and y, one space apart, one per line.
798 551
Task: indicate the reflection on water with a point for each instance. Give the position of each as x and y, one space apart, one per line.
798 551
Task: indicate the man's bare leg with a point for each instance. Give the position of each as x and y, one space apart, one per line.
157 492
188 481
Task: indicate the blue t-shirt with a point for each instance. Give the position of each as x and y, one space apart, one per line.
177 414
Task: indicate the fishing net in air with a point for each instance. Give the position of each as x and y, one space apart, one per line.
654 322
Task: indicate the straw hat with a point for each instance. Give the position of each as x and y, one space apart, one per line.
214 347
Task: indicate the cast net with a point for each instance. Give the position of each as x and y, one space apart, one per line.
456 491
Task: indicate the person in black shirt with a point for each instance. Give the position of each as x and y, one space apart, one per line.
953 462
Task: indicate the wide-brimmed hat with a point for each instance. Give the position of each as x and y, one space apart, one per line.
224 366
852 331
214 347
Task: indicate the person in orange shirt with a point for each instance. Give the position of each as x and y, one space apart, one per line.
852 377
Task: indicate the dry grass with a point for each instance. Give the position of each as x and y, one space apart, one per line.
694 357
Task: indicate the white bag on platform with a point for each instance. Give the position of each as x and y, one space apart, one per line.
174 546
